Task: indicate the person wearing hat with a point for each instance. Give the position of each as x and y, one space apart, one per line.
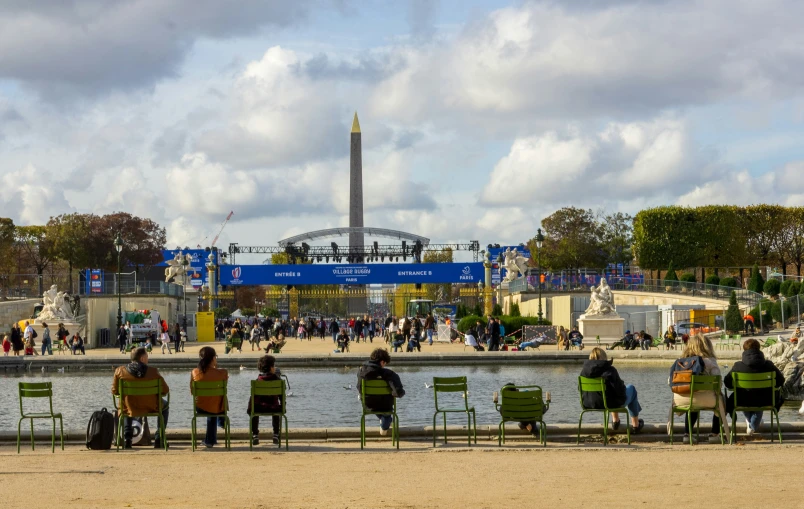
626 343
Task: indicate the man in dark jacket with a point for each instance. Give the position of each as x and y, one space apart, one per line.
266 404
122 335
334 329
753 362
628 342
375 369
618 394
576 338
494 335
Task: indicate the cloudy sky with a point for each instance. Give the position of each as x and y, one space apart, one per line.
479 117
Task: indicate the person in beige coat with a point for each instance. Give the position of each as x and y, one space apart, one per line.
698 345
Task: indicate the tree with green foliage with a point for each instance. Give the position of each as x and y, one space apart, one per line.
734 319
7 266
784 289
617 236
37 249
772 287
438 292
514 310
496 310
756 283
477 310
776 310
572 240
70 234
223 312
794 290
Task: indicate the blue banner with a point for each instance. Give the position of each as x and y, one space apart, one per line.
352 274
94 279
199 257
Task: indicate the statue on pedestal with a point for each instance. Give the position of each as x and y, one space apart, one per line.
58 305
177 267
602 301
515 265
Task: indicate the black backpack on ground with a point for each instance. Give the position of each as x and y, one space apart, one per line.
100 431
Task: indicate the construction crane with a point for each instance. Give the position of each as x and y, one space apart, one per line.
223 225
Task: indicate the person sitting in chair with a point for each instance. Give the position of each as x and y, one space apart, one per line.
471 340
576 338
670 337
275 345
531 426
618 394
628 342
375 369
535 342
136 406
266 404
343 341
78 344
645 340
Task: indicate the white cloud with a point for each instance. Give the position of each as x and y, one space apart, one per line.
31 196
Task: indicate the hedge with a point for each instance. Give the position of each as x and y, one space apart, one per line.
730 282
688 277
714 279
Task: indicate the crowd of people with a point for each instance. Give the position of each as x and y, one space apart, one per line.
618 394
175 336
23 341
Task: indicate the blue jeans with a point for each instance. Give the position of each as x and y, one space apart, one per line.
430 336
46 346
211 437
398 344
631 401
754 419
385 421
529 344
334 337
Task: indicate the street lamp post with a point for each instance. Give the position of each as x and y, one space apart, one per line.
184 264
539 241
118 246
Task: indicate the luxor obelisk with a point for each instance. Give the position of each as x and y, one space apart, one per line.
356 188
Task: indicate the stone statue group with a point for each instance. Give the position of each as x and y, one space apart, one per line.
515 265
601 300
59 305
177 267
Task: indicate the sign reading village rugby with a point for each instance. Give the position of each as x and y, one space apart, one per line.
352 274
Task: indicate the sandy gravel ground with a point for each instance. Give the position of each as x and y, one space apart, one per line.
331 475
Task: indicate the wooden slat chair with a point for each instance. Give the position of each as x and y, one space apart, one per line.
30 390
454 384
522 403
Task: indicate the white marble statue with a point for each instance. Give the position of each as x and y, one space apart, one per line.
57 305
514 264
602 301
177 269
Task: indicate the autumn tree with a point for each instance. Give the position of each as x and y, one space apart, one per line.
70 235
572 240
37 249
7 238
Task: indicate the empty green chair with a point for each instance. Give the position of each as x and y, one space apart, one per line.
269 388
39 390
210 389
455 384
736 341
755 381
377 388
142 388
522 403
598 385
699 383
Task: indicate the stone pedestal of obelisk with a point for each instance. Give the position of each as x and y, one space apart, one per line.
356 305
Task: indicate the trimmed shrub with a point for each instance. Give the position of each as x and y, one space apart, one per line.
784 289
757 282
515 310
730 282
772 287
495 311
714 279
468 321
477 310
776 310
766 313
687 277
670 278
795 289
734 319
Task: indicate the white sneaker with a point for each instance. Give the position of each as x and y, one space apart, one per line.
748 431
383 432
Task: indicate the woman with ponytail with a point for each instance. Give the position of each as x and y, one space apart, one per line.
208 371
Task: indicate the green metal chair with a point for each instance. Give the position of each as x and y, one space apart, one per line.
153 388
454 384
522 403
736 341
768 342
269 388
377 388
699 383
755 381
39 390
210 389
598 385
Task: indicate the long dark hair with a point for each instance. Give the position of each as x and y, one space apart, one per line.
206 356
